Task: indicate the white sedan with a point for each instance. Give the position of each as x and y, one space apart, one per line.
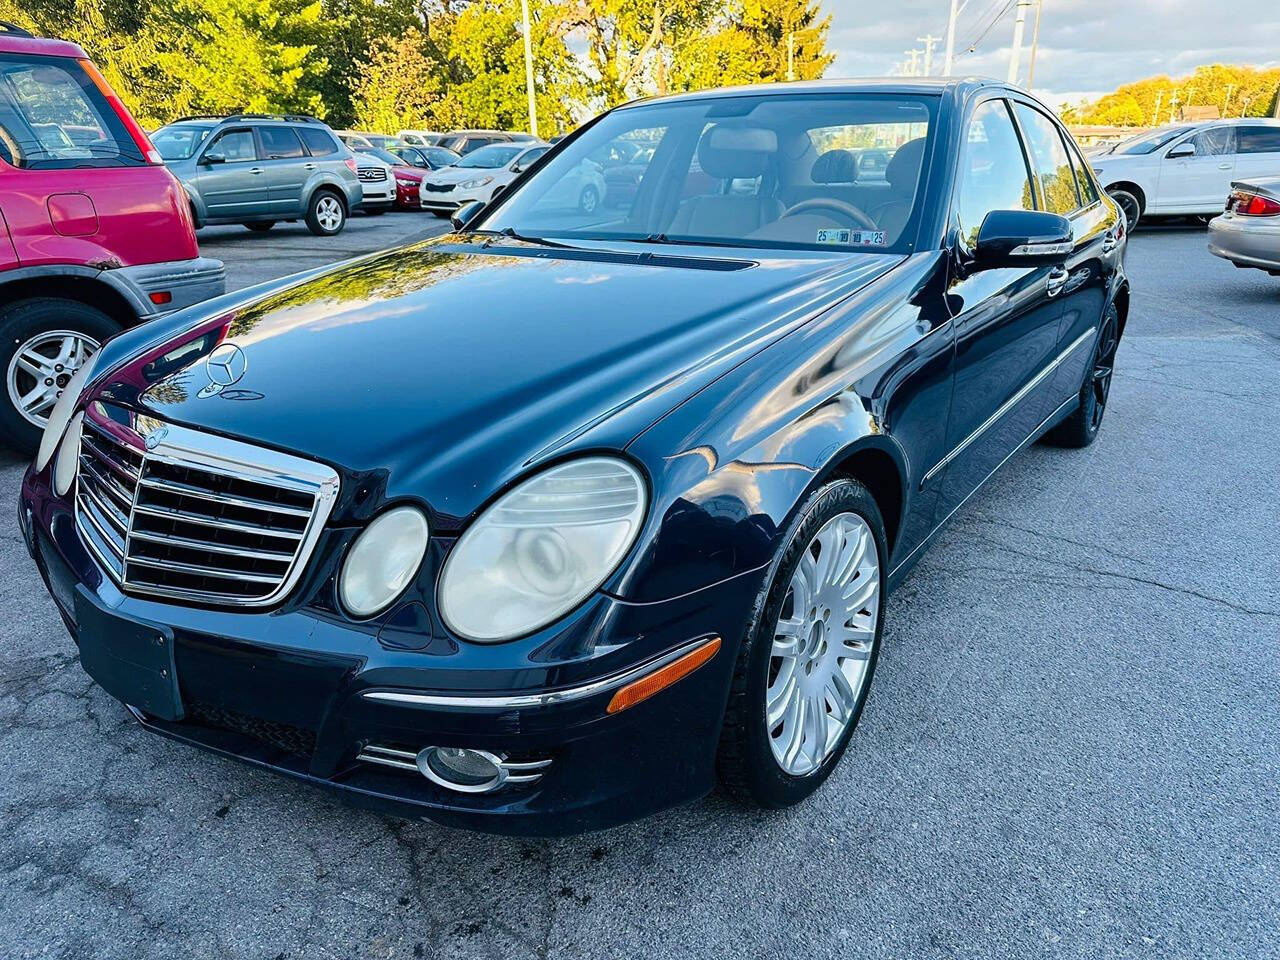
483 173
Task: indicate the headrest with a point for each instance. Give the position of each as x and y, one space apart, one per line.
834 166
904 169
729 152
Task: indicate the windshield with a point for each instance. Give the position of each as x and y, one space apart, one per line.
489 158
179 141
384 155
1149 142
440 156
763 170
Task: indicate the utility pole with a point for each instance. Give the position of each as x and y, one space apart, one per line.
1227 99
1173 107
1035 42
1019 28
791 54
1155 116
528 67
1246 106
956 9
912 64
929 41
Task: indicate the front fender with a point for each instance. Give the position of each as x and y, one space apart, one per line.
731 465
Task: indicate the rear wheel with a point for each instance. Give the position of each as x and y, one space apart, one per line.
1129 205
326 214
805 666
588 200
1081 428
261 226
43 342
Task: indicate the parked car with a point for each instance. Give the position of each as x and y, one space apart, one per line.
95 233
262 169
463 142
407 177
480 175
425 158
1248 233
360 138
420 138
1187 168
377 182
613 507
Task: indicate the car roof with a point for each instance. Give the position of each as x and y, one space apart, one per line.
956 86
14 39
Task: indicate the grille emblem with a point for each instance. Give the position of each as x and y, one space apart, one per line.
226 364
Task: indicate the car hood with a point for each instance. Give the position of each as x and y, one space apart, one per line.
444 369
459 174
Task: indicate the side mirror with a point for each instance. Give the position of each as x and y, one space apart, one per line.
1187 149
1022 238
209 159
466 213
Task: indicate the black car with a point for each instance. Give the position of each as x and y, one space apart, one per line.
556 520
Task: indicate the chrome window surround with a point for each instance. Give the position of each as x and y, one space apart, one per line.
183 447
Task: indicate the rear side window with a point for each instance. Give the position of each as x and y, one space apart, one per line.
1088 192
53 117
1057 181
993 170
280 143
319 142
1258 140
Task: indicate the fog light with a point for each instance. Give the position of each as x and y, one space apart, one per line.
458 768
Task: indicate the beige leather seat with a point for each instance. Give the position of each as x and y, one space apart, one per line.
730 152
903 172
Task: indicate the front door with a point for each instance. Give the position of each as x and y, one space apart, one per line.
287 168
231 179
1006 320
1198 183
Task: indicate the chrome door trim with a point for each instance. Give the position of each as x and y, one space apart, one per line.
543 699
1008 405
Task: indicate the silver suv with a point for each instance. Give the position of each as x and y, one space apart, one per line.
259 169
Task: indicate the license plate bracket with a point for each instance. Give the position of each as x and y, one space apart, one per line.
131 659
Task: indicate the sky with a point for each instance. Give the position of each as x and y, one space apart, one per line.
1086 48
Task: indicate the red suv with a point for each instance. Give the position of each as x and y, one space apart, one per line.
95 232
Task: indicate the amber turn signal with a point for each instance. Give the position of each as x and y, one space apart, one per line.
644 688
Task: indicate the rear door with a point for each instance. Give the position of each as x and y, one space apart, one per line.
1198 183
230 177
1006 320
287 166
1257 152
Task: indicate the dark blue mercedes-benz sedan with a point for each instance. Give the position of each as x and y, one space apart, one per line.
552 522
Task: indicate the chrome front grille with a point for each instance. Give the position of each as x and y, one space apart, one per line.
371 174
198 517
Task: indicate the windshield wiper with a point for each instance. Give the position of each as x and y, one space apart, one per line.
662 238
511 234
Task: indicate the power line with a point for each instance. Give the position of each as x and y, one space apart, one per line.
972 46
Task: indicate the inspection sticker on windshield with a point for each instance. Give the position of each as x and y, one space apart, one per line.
859 238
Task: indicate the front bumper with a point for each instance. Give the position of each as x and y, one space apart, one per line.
303 692
1246 241
178 283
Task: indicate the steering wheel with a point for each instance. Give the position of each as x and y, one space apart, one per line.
836 206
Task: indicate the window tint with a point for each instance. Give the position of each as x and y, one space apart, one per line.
52 116
993 171
179 141
1084 183
528 159
1213 142
1057 182
319 142
280 143
1258 140
234 146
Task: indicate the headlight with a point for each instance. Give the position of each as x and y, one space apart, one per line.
382 561
60 416
406 183
542 549
64 468
470 184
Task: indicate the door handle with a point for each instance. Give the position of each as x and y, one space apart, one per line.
1224 166
255 170
1109 242
1057 280
308 166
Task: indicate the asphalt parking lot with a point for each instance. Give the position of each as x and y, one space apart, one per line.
1071 748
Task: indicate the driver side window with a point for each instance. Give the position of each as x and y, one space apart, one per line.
234 146
993 170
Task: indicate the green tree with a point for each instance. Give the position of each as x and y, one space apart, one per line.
770 22
398 86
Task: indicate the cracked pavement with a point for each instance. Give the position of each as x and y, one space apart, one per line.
1071 748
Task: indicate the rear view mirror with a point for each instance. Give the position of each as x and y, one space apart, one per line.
1187 149
466 213
1018 238
211 158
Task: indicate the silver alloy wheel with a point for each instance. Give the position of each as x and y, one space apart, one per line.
42 367
823 641
587 202
329 213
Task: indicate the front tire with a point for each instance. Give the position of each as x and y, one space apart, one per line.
805 667
43 341
589 199
1129 205
1081 428
326 214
